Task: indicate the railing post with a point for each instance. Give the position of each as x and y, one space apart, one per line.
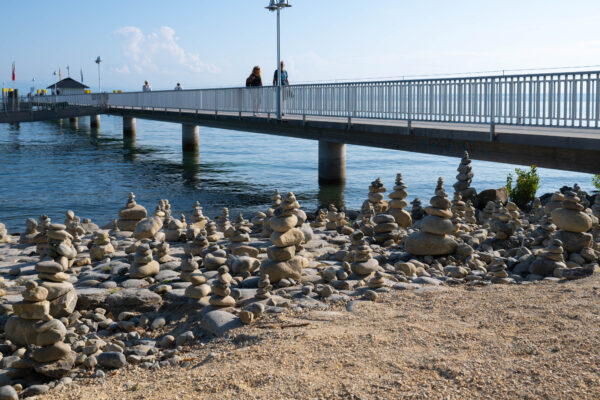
493 110
348 107
409 114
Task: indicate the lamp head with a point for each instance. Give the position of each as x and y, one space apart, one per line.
98 60
275 4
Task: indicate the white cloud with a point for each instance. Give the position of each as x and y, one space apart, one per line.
157 52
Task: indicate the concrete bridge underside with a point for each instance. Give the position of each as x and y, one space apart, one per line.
558 148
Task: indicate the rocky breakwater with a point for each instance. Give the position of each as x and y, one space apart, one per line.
283 263
32 326
131 214
573 224
433 239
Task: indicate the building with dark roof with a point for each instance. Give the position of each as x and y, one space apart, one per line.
68 86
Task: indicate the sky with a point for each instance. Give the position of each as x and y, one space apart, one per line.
203 43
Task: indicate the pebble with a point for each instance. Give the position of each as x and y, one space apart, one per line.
8 393
112 360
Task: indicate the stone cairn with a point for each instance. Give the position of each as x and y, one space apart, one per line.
198 245
162 253
543 234
189 266
282 262
223 224
551 258
198 289
258 220
264 287
464 178
385 230
367 213
363 262
212 234
554 203
41 240
334 218
397 205
30 233
198 219
497 270
131 215
573 224
275 202
486 215
165 207
433 239
240 239
320 220
52 271
32 324
417 213
221 291
376 196
502 223
176 230
470 214
144 264
537 211
101 246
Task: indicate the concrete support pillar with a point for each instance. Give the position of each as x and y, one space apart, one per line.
94 121
190 137
332 162
128 126
74 122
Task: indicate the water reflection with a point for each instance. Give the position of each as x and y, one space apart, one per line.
332 194
190 165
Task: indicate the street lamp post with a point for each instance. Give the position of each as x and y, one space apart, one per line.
98 61
277 5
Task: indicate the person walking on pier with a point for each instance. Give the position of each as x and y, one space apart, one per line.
178 87
285 92
255 80
146 87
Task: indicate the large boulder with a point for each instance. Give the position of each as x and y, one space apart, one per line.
23 332
492 195
134 300
426 244
147 228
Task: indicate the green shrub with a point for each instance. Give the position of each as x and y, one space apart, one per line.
596 181
524 188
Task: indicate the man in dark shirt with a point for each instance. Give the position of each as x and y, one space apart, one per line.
284 77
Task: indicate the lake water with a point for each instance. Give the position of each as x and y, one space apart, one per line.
51 167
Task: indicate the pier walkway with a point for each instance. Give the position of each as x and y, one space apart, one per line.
551 120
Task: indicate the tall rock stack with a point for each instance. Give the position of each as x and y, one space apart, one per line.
363 262
131 215
470 214
433 239
464 178
377 196
199 289
385 230
32 324
101 246
165 207
223 224
264 287
221 291
486 215
30 233
573 224
3 233
212 234
143 263
275 202
397 205
60 293
199 243
286 239
198 219
240 239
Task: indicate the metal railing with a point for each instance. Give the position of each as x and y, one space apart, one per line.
566 99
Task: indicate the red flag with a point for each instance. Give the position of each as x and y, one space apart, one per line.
13 72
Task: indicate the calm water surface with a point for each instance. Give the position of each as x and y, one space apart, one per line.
51 167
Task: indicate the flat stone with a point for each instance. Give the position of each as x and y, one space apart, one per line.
218 323
423 243
112 360
90 298
8 393
290 238
51 353
134 300
35 390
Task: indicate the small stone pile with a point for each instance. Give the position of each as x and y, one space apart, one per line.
537 211
264 287
398 203
543 234
502 223
385 230
549 260
199 289
223 224
286 239
176 230
367 226
470 214
189 266
275 202
554 203
433 237
464 178
363 262
376 196
101 246
417 213
41 240
320 220
573 224
32 324
458 207
198 219
30 232
165 207
334 218
131 215
485 217
198 245
220 289
162 253
258 220
144 264
74 226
